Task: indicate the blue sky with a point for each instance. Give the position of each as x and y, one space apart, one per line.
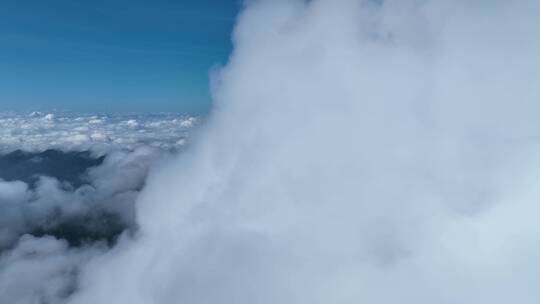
111 55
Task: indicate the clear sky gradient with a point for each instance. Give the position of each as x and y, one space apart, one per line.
111 55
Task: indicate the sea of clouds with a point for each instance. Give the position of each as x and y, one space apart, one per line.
38 131
358 151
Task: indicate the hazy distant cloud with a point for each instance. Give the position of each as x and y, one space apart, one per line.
100 133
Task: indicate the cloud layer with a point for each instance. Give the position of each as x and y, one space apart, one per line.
100 133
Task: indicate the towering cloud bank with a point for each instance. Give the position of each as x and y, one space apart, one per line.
359 152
